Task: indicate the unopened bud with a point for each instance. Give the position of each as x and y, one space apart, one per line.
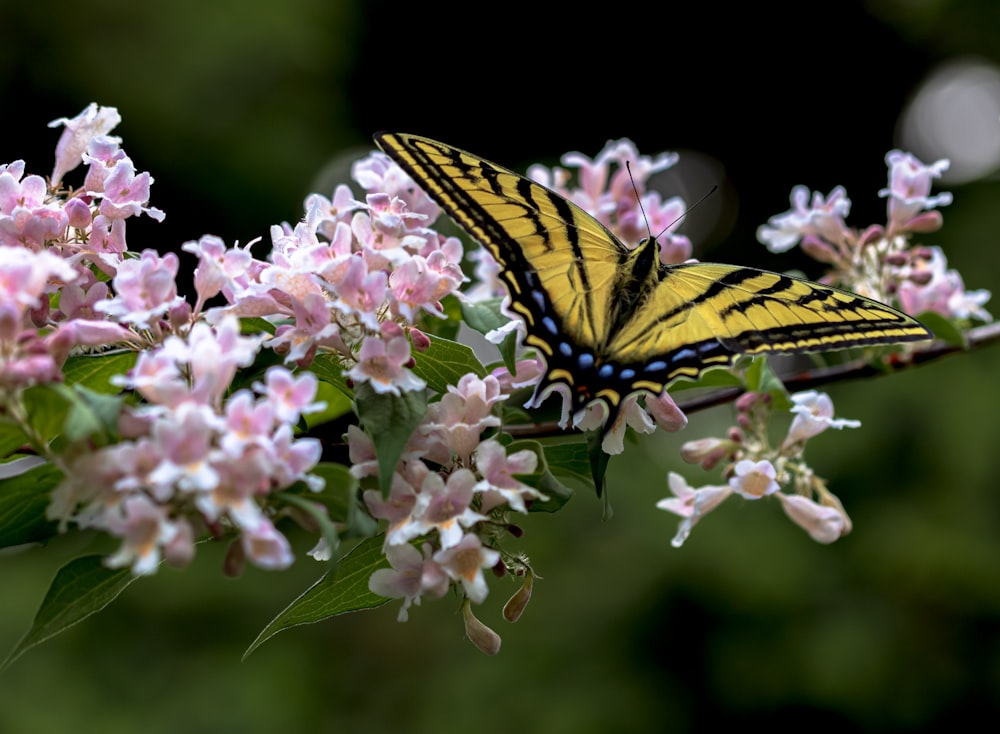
873 234
746 401
478 633
419 339
515 606
824 524
925 222
235 561
707 451
818 249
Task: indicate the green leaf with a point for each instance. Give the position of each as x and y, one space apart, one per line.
343 590
316 512
944 328
82 587
23 501
761 378
47 408
91 414
328 368
337 405
713 377
95 371
246 377
598 464
445 362
255 326
484 316
389 420
569 460
543 479
337 496
508 351
447 327
12 438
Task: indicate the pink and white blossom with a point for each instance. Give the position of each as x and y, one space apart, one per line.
754 479
813 414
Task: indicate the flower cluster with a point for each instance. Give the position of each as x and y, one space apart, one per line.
451 494
612 188
196 453
754 468
881 262
193 458
345 278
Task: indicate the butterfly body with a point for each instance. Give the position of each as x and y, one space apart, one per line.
611 320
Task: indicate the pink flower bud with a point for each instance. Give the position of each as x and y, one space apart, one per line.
419 339
478 633
516 605
824 524
707 451
78 213
819 249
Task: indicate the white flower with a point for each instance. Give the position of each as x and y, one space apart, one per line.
814 414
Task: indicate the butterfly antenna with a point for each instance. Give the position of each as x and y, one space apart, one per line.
638 199
686 212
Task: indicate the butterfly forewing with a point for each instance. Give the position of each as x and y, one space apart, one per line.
557 261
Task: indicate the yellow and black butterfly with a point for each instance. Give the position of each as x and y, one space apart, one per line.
611 320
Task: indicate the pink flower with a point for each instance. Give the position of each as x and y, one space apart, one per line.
753 480
416 287
267 547
708 451
379 174
823 523
144 529
931 286
691 504
26 219
813 414
460 417
382 364
219 267
185 440
412 576
126 194
26 276
498 485
80 130
909 188
822 218
326 216
360 292
290 396
442 507
144 288
397 509
465 561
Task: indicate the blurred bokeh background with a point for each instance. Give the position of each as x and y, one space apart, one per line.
240 108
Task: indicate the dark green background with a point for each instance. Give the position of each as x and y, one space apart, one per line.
239 109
